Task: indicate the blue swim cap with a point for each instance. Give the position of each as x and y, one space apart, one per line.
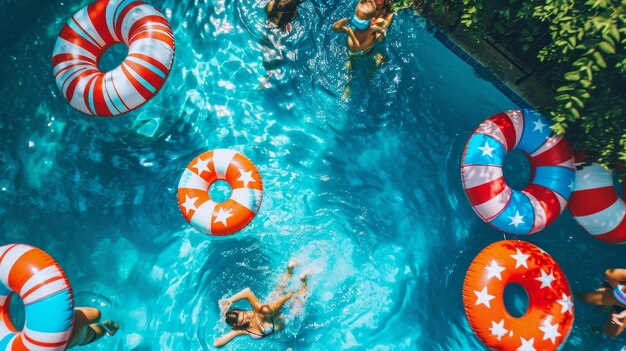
360 24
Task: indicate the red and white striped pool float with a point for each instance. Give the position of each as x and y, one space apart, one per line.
47 295
85 38
226 217
595 204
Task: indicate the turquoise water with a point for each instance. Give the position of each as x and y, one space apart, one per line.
366 193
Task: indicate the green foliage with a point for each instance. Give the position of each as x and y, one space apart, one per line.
583 45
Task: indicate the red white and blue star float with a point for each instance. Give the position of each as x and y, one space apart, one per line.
226 217
550 315
552 176
595 204
85 38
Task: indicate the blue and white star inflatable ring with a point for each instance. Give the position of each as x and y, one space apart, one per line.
552 172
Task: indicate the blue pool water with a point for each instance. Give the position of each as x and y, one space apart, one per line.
366 193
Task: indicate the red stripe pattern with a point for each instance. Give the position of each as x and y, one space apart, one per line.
46 292
89 33
595 204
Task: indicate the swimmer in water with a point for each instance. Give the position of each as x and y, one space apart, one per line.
363 31
259 322
613 294
282 13
88 328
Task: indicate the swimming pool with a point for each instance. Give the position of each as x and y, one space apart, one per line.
367 193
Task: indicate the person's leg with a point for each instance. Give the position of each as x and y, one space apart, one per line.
349 75
601 296
279 290
100 329
300 297
90 314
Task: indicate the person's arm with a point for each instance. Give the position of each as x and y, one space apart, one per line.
278 303
227 337
246 294
340 25
389 19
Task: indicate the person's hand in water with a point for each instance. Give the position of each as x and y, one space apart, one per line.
224 305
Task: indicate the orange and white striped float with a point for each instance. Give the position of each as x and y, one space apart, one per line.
550 315
85 38
226 217
595 204
47 295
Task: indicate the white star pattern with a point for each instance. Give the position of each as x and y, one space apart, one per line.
202 165
483 297
520 259
539 126
571 185
222 216
516 220
527 345
546 279
189 204
487 150
566 304
497 329
550 331
494 270
245 177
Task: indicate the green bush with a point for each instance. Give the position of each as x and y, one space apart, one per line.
586 56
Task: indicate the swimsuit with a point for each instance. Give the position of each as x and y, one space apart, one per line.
620 295
264 331
360 24
362 53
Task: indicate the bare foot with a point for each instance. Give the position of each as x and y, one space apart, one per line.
304 278
111 327
292 264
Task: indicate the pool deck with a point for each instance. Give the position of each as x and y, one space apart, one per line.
490 64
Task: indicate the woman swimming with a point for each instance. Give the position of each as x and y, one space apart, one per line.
612 293
260 321
88 328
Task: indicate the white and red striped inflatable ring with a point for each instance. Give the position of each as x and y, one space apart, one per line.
595 204
552 172
47 295
85 38
226 217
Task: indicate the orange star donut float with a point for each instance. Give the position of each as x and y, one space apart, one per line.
220 218
550 315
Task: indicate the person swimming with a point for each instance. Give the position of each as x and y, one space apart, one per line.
282 13
613 294
364 29
88 328
260 321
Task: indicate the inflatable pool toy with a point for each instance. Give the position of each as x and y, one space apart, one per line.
226 217
552 172
47 295
550 315
595 204
85 38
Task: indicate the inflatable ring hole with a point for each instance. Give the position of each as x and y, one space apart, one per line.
220 191
516 169
516 300
112 57
17 312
